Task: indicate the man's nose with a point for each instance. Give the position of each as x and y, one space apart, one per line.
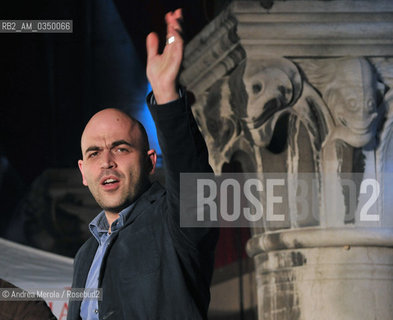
108 160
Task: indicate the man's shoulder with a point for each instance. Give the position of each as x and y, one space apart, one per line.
155 192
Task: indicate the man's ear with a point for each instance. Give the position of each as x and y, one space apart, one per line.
152 160
80 165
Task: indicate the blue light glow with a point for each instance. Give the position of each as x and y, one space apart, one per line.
146 119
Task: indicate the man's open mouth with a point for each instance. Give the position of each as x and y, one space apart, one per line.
110 181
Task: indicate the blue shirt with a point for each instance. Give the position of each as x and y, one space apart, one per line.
99 228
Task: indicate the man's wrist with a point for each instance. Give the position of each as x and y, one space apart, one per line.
153 100
164 91
165 97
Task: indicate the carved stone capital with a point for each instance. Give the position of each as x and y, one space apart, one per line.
294 28
305 87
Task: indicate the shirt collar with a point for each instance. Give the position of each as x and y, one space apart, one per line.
99 225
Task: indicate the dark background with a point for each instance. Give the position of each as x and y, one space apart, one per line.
51 84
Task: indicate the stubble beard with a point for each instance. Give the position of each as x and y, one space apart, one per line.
126 199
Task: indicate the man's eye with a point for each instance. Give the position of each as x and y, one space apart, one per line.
93 154
121 150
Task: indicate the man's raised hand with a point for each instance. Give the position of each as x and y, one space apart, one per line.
162 69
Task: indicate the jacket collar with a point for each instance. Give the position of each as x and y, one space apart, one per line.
150 196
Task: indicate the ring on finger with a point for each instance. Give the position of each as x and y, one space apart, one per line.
170 40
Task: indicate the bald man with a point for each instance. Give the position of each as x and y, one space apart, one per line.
146 264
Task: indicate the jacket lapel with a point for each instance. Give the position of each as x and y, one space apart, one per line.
81 270
85 262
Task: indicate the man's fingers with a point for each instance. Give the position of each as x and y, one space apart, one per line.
175 16
152 45
174 42
173 20
178 14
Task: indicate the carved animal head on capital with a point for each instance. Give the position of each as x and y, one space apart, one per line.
348 86
220 121
217 122
262 90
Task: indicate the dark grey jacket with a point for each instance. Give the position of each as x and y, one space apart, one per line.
153 269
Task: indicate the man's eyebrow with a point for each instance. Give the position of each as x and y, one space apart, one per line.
92 148
114 144
120 142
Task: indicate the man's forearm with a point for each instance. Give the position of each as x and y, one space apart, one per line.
183 150
183 147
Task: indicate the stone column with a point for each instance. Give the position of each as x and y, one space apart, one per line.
305 88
